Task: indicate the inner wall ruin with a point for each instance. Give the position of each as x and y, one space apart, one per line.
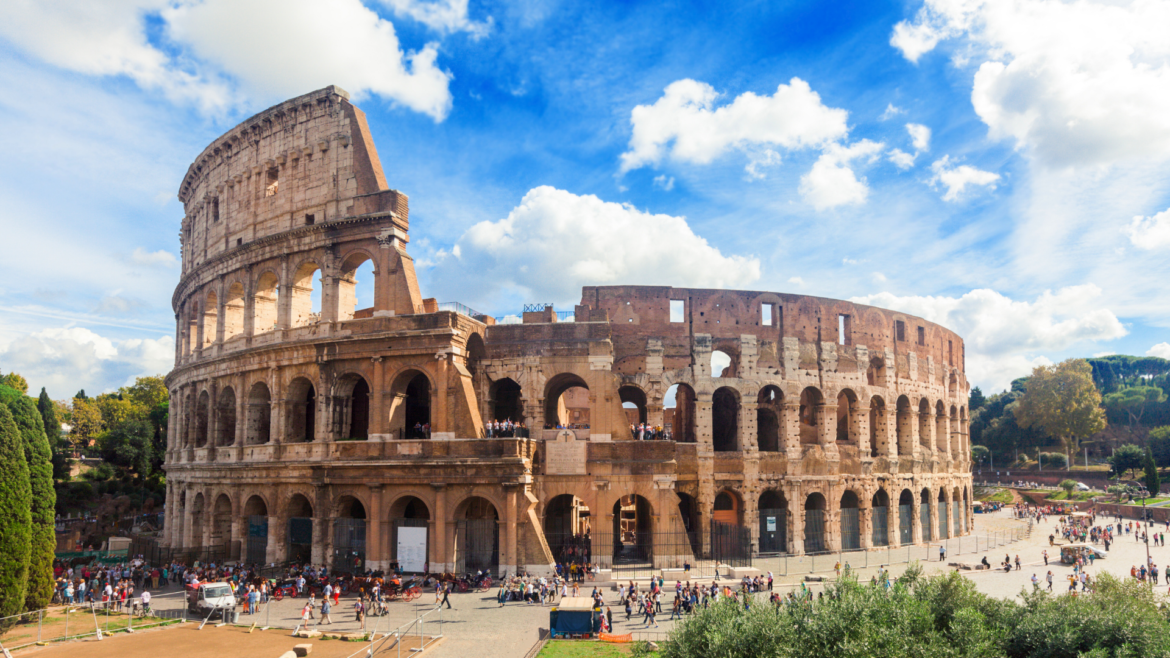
304 428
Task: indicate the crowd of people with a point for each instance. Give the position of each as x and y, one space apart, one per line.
644 432
506 429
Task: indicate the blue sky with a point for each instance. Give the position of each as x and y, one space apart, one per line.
998 167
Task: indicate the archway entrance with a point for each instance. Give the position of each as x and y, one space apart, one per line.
568 530
679 413
773 522
769 404
505 397
633 532
814 523
349 536
566 402
477 536
688 508
725 420
300 530
351 408
259 415
225 418
944 526
256 540
730 541
850 522
410 533
410 410
905 517
880 518
633 404
302 411
924 515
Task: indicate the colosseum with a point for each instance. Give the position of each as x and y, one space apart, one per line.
431 436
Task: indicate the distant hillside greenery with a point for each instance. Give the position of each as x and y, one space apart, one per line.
1135 392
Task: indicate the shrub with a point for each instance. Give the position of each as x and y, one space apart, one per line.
1054 459
1068 485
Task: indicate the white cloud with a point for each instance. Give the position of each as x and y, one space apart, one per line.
158 258
444 16
879 277
891 112
1077 83
795 280
919 136
64 360
565 241
664 182
233 52
957 178
1160 350
1098 355
1150 232
901 159
1005 338
831 182
770 158
685 125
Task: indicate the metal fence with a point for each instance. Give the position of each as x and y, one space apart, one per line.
80 621
154 554
413 634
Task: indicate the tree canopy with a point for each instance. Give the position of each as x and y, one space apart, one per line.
15 517
1062 401
1127 458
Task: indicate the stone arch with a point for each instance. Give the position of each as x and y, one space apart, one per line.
633 400
198 515
723 364
942 437
905 427
725 419
210 317
259 415
688 508
225 417
265 302
254 518
221 523
727 508
956 447
506 400
925 501
410 511
477 534
349 534
410 406
815 512
347 280
906 512
298 516
555 412
769 411
233 311
875 373
351 407
811 408
924 427
568 528
302 411
304 310
880 518
848 418
879 434
944 529
476 354
773 513
850 519
633 529
681 417
202 409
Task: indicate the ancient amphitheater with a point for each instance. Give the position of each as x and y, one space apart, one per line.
305 428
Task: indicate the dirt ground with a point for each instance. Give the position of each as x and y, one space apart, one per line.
226 641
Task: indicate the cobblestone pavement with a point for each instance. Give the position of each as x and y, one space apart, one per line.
477 626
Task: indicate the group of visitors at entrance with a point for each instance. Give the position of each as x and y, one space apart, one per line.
506 429
644 432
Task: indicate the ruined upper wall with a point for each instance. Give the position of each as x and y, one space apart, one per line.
638 313
309 160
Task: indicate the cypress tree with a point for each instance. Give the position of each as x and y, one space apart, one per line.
53 434
43 501
1152 481
15 518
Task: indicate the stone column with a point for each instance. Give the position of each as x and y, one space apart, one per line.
916 519
865 524
509 561
796 526
935 535
894 523
441 553
748 431
377 403
926 422
241 412
860 420
703 430
375 553
790 428
271 551
220 317
329 297
249 308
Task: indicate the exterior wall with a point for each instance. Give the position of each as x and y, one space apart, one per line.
878 406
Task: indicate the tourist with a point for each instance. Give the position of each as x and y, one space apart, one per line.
325 608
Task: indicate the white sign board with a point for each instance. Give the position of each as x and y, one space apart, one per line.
412 548
564 457
771 524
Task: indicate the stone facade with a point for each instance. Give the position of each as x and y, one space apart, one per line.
305 433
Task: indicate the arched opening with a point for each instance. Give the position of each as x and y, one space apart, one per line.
811 403
679 408
958 512
688 508
302 411
265 302
944 525
476 353
566 402
233 312
924 425
410 408
568 530
256 538
351 408
221 527
191 331
633 404
875 374
880 518
477 536
305 305
722 365
225 417
769 406
410 528
814 523
300 529
773 522
505 398
850 522
197 521
941 435
956 449
633 532
725 420
879 438
905 427
201 412
848 427
727 509
906 517
924 515
356 287
349 536
210 318
259 418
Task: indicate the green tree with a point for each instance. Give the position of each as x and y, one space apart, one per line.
1127 458
1054 459
1153 484
87 421
147 392
43 501
129 444
979 454
1131 403
15 381
1068 485
81 395
1159 442
48 410
15 517
159 417
116 409
977 399
1062 401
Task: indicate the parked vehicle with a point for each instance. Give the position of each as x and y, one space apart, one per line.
206 599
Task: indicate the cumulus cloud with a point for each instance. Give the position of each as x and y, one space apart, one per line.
686 125
232 51
664 182
891 112
753 168
1150 232
1160 350
901 159
832 182
1005 338
1077 83
919 136
158 258
796 281
64 360
555 241
956 178
444 16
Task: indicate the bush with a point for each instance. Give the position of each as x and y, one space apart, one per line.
1054 459
1068 485
100 473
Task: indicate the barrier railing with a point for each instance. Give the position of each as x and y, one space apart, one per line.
379 646
72 622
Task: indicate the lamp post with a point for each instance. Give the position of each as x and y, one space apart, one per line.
1146 533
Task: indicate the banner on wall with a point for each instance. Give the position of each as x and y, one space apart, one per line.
412 548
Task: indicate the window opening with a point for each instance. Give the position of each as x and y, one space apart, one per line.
766 314
900 329
844 330
215 209
677 310
273 182
310 220
922 335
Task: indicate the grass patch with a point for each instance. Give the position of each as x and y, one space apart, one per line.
999 496
1149 501
584 649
